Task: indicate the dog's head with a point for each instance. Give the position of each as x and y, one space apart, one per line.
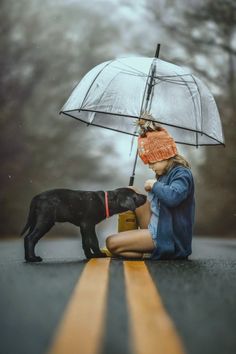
128 199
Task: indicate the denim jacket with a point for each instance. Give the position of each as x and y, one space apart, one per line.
175 192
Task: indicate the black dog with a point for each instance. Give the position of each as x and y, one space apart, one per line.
81 208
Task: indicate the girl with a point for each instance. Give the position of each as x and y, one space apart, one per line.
166 219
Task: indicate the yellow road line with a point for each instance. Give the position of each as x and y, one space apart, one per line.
81 329
152 330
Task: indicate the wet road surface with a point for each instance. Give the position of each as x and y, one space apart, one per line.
197 296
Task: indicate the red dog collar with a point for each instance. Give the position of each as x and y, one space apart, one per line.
106 205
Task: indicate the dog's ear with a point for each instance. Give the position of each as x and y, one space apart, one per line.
128 203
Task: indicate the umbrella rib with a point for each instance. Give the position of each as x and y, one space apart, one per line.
128 66
201 111
96 125
154 60
81 109
176 75
200 100
145 89
169 81
123 132
94 80
136 117
133 74
160 77
195 111
70 94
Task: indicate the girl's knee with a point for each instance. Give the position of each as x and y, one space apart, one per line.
143 215
111 243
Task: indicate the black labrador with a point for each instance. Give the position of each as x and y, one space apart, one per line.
81 208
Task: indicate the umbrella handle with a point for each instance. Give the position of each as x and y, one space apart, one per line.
131 180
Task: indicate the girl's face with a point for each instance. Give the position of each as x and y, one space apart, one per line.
159 167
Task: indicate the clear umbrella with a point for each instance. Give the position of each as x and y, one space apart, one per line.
116 93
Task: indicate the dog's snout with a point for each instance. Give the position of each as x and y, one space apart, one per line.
141 199
144 198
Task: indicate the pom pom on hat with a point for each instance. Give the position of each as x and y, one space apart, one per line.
156 145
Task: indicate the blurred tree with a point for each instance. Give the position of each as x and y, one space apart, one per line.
216 183
47 49
206 32
43 55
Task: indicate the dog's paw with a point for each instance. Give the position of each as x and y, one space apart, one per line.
99 255
103 255
106 251
89 256
34 259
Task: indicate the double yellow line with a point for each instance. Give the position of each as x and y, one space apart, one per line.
82 328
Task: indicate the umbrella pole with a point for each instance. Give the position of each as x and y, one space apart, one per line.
131 181
157 50
127 220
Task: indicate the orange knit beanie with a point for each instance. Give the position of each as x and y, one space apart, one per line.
156 146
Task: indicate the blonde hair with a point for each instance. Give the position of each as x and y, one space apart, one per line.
176 160
147 124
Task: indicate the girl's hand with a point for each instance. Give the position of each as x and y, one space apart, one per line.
149 184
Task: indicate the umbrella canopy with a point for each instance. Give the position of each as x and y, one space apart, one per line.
116 93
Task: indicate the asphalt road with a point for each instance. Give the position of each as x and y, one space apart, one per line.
199 295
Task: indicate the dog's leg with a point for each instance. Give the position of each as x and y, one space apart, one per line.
31 240
90 241
85 239
94 245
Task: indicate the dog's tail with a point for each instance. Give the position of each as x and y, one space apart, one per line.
31 220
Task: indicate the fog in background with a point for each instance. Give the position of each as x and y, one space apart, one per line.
47 47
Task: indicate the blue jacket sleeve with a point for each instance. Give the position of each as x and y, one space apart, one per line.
174 193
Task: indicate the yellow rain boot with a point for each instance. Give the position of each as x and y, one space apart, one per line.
107 252
127 221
